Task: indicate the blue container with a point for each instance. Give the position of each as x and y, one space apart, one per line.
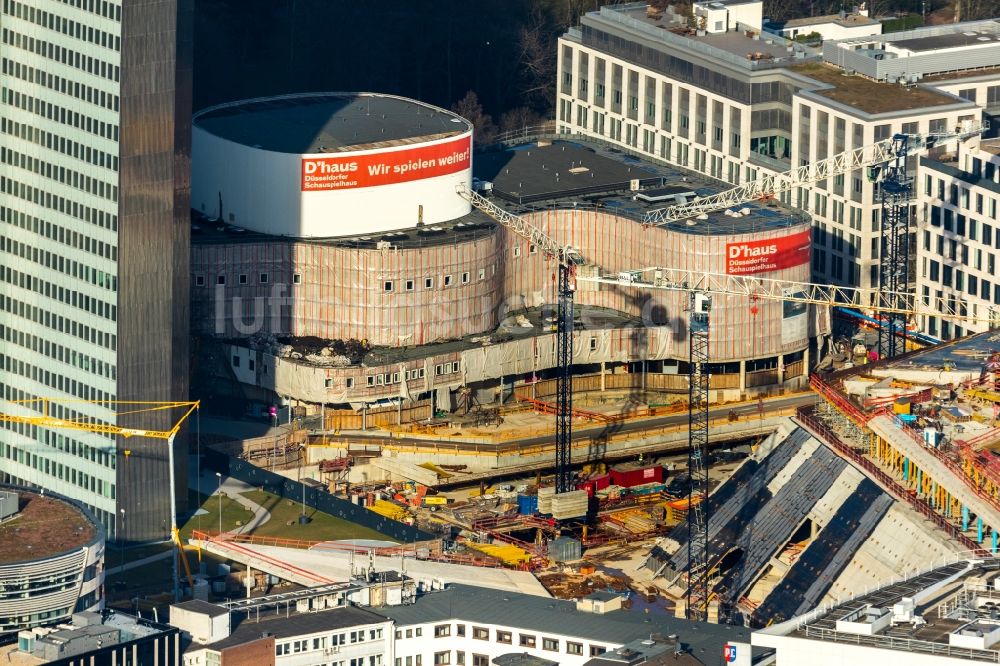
908 418
527 504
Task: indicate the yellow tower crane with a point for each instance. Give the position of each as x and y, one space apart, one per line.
43 418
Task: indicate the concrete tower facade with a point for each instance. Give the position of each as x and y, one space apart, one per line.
94 229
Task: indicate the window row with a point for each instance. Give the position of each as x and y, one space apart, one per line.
428 282
954 250
54 380
961 281
58 204
105 457
58 352
59 84
505 637
242 278
62 24
67 445
60 114
108 10
447 368
62 175
60 144
59 263
961 197
334 640
68 473
70 297
63 55
57 411
58 323
387 379
59 233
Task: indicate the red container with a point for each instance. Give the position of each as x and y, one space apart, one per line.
637 476
601 482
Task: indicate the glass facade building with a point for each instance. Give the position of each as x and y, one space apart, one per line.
95 103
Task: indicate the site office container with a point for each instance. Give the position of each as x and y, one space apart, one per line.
637 476
594 483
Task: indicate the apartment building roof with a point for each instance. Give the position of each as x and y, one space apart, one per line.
250 628
871 96
581 174
742 47
960 597
846 20
560 617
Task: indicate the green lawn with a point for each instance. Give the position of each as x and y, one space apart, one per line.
323 527
908 22
233 514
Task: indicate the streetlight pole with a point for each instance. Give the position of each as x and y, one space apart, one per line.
121 542
219 476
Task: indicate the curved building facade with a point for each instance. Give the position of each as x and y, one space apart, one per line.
446 297
418 290
53 565
330 164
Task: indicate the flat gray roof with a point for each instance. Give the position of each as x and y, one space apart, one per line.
952 40
328 122
203 607
850 20
524 179
544 172
249 628
559 617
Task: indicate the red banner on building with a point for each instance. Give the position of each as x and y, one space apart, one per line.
387 168
763 256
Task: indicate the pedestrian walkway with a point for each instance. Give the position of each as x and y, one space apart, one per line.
233 488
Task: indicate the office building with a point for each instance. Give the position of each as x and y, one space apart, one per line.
945 616
94 205
736 104
51 560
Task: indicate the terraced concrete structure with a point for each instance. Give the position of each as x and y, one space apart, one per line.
51 562
795 526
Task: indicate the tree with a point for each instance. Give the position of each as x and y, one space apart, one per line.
469 108
518 118
537 46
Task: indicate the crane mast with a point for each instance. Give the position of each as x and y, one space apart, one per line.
568 259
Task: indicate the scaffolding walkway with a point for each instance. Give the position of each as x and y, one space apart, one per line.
945 473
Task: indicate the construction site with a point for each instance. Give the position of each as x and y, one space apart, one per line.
626 406
601 419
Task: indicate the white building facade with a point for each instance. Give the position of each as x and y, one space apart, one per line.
739 105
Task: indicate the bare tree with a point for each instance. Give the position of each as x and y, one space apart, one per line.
469 108
518 118
536 42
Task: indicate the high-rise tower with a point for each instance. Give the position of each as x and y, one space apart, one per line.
94 232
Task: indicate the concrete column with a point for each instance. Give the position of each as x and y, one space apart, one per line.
602 376
805 363
743 377
781 369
